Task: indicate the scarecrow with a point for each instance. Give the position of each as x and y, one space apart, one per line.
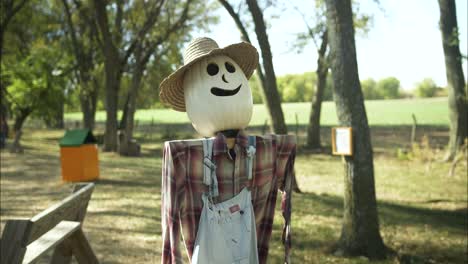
219 192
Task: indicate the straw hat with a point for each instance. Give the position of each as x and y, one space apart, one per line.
171 88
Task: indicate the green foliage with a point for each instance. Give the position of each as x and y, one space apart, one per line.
168 54
36 82
420 151
296 87
426 88
34 67
389 88
369 89
256 88
315 21
293 88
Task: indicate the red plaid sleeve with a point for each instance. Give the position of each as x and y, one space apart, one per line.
173 180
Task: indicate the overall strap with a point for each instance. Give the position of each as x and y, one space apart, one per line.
250 156
209 168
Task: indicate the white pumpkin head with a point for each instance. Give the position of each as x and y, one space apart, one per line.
217 95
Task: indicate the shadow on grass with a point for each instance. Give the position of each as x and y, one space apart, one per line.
123 183
152 152
319 221
389 213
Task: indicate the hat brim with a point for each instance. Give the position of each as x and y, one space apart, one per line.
172 90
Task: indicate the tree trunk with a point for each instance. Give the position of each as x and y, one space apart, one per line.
360 231
3 112
58 117
270 88
131 108
20 118
123 119
84 58
112 65
313 130
112 90
88 102
3 103
455 78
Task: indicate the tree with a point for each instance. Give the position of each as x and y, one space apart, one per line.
82 31
369 89
296 87
273 102
360 230
8 9
117 47
36 85
266 74
455 79
34 69
144 50
313 129
426 88
319 36
317 32
388 88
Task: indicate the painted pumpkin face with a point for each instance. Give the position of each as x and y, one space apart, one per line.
217 95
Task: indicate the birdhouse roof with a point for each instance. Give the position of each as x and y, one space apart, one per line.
77 137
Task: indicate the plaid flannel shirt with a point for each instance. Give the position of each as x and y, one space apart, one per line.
182 188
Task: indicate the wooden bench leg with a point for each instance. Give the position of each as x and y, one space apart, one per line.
81 248
62 254
13 245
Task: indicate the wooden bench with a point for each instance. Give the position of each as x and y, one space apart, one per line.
58 227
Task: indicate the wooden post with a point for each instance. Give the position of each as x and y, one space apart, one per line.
413 130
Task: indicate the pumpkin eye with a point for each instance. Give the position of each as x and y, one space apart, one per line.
212 69
229 67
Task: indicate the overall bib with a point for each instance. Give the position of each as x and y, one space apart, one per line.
226 231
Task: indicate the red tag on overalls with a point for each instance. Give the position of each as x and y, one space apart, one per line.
234 208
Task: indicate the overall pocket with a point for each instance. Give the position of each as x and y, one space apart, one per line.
238 236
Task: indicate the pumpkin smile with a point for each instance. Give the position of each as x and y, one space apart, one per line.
222 92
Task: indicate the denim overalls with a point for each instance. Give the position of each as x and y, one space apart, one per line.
226 231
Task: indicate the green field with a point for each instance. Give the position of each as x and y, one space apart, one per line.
432 111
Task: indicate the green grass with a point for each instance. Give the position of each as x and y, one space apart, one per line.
423 213
432 111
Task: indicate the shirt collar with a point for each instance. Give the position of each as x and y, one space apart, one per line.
219 143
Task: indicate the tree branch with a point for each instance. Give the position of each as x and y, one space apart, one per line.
176 26
118 22
152 18
103 23
10 13
76 47
309 29
91 22
235 16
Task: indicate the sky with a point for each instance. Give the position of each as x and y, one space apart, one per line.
404 40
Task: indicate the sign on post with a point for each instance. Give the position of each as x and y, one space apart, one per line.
342 141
